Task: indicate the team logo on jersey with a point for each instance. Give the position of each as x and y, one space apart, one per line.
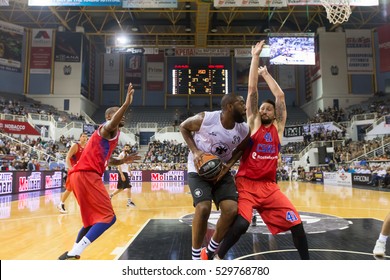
219 149
198 193
213 133
291 217
268 137
236 139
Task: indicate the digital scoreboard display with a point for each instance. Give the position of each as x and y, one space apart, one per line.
211 79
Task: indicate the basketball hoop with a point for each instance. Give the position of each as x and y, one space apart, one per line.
337 11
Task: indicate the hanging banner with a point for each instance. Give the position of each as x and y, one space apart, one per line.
335 2
149 4
68 47
41 49
111 71
286 76
74 2
359 51
384 47
250 3
155 72
11 43
133 71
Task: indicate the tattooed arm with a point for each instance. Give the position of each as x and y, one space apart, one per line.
280 102
252 101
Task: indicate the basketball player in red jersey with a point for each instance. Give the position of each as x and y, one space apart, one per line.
72 157
85 178
256 176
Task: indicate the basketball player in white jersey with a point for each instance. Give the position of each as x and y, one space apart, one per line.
124 177
223 133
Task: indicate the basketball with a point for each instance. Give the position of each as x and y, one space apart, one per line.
209 166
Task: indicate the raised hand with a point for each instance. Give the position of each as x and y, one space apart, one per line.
130 93
262 70
256 50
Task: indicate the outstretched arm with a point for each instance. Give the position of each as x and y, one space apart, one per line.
280 102
127 159
111 126
252 101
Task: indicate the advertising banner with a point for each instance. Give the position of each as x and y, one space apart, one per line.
359 51
68 47
111 71
41 49
384 47
11 43
133 70
14 127
148 176
360 179
14 182
172 4
74 2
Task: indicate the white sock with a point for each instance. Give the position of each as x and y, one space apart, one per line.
213 246
382 238
79 247
196 254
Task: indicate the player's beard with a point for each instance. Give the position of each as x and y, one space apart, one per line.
238 117
266 120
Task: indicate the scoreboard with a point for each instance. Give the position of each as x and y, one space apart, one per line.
211 79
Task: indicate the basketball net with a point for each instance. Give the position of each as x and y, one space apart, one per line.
337 11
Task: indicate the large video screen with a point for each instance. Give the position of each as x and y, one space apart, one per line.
292 48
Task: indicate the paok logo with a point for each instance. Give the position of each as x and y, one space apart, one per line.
67 70
198 193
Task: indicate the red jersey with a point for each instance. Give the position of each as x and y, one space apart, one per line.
75 158
260 160
96 154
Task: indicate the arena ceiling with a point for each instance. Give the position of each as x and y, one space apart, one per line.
195 23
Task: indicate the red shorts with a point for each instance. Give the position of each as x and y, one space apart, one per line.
92 197
274 207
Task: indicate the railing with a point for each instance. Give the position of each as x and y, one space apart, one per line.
29 148
10 117
345 124
364 117
87 118
143 125
320 144
385 143
374 124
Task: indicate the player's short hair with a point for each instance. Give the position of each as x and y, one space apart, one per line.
110 111
228 99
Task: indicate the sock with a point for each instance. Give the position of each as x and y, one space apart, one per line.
196 254
212 247
79 247
382 238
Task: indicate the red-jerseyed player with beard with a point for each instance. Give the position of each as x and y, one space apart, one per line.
85 178
256 176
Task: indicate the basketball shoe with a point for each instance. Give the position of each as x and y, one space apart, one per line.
130 203
204 255
379 249
65 256
61 208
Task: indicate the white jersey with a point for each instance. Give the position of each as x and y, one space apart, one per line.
213 138
125 166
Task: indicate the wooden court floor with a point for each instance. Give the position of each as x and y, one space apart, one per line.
33 229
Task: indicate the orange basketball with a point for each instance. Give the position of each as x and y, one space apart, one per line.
209 166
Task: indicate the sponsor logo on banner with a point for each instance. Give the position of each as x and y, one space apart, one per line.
197 52
53 180
361 179
330 178
67 70
149 4
250 3
344 179
359 51
30 183
74 3
136 176
6 182
41 51
293 131
167 176
14 127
